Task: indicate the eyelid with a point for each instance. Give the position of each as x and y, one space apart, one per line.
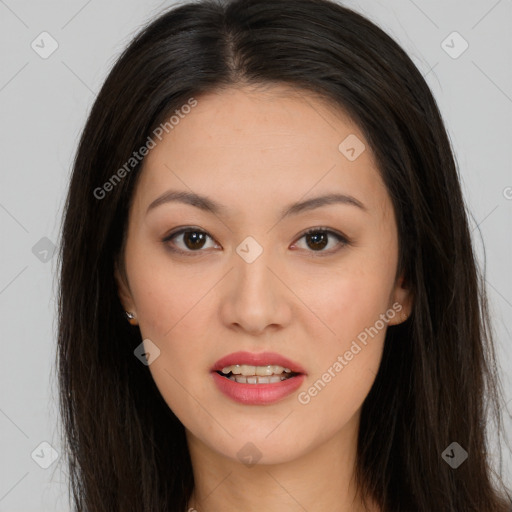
343 240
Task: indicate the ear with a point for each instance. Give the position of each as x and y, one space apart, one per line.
123 289
402 301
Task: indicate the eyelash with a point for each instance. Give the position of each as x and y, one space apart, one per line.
343 240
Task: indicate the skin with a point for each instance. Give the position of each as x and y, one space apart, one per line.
256 151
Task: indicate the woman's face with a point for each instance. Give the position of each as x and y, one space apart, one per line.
245 276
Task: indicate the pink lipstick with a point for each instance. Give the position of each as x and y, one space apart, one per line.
257 378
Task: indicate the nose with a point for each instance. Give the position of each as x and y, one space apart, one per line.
256 298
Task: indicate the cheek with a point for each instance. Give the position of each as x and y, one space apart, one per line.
345 364
348 355
165 293
351 298
169 303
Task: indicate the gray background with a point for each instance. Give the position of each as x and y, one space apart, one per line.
44 103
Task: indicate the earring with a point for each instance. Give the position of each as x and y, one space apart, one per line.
131 318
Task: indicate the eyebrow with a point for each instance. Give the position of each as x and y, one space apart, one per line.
207 204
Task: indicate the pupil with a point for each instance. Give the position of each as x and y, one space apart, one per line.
316 237
195 236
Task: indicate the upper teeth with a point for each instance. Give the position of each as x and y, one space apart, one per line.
244 369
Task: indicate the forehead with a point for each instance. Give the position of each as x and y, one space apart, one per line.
252 147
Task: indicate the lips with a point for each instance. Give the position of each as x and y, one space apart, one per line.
257 393
257 359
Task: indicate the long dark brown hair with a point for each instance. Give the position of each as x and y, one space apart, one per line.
438 381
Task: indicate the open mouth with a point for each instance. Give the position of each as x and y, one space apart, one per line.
246 374
250 379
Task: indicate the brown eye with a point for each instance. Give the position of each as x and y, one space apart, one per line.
190 240
193 240
319 238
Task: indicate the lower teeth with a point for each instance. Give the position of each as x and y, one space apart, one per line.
256 379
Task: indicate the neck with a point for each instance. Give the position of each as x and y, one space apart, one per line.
318 480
